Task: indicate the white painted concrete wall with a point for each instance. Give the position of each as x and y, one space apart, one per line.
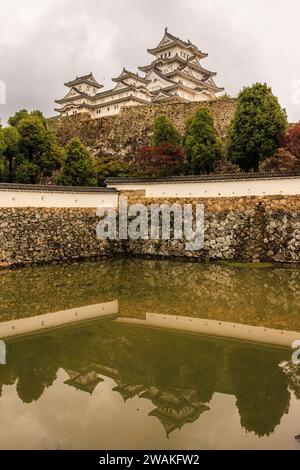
57 199
263 187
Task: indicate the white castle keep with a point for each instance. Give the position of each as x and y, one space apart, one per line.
175 74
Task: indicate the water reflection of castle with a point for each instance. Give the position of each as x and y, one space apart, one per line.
174 407
178 373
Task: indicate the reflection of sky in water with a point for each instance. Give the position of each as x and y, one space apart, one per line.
97 386
105 421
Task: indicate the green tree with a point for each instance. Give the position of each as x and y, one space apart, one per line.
38 146
17 117
11 152
2 149
165 132
78 168
257 127
27 172
202 146
110 166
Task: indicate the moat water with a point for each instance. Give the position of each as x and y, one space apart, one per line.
142 374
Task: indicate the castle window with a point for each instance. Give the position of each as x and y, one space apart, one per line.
107 109
169 54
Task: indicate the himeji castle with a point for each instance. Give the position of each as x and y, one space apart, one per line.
175 74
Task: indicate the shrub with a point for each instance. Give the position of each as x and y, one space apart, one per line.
164 160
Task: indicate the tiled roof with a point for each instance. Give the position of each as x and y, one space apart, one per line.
203 178
53 189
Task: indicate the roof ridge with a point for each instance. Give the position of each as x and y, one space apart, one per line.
206 178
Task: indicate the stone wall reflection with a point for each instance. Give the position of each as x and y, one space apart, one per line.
262 297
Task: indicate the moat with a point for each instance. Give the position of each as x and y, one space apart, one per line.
120 381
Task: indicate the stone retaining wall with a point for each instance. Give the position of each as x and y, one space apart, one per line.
236 229
246 229
40 235
132 128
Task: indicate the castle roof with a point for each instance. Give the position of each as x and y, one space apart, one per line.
169 40
88 79
163 61
128 391
127 74
68 98
171 422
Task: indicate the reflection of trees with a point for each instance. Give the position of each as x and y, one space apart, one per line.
35 365
292 372
170 363
260 387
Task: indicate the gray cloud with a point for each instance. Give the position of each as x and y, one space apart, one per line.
45 43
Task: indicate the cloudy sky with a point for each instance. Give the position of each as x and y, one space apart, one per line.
44 43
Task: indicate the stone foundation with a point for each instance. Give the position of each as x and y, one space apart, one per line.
39 235
248 229
132 128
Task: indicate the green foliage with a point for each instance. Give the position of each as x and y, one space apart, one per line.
27 172
165 132
11 152
2 141
38 145
78 168
202 146
2 148
18 116
257 127
109 166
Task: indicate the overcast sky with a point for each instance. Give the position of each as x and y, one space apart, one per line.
44 43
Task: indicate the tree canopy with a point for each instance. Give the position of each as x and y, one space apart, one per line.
202 146
78 168
165 132
257 127
109 166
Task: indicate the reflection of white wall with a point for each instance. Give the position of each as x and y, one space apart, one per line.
2 92
2 353
240 188
258 334
10 198
22 326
